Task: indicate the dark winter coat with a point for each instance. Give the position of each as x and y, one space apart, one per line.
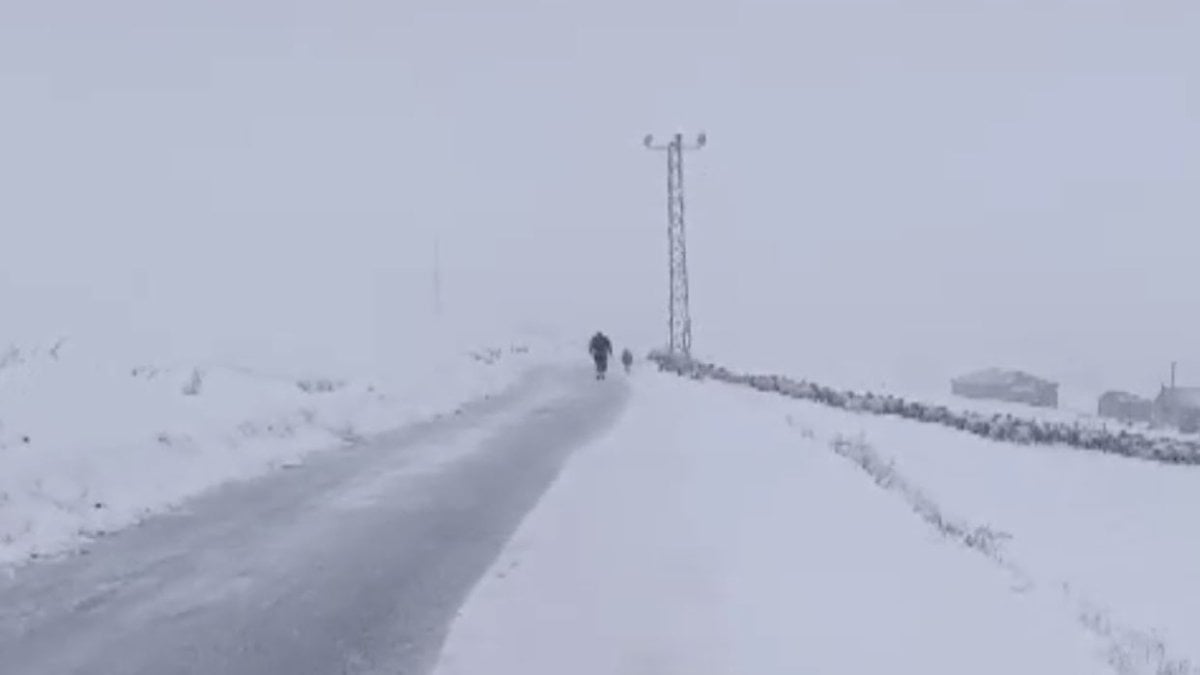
601 346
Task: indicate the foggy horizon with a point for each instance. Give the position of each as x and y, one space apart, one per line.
892 190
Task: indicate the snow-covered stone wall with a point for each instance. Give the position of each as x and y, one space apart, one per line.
1008 428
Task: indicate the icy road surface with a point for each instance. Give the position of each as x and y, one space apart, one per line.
354 562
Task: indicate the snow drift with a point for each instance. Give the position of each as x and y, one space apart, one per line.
89 444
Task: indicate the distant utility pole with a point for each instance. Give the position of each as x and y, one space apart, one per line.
437 276
680 321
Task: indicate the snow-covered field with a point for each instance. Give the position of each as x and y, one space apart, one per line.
1114 534
90 443
718 530
1096 539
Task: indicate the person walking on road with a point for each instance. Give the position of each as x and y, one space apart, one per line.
600 348
626 359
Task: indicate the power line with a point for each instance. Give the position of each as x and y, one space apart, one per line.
680 319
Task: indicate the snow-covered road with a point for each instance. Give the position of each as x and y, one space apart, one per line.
712 532
353 562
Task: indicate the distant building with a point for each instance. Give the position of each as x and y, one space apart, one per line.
1179 407
1120 405
1013 386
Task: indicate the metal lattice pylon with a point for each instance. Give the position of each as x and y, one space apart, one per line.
679 314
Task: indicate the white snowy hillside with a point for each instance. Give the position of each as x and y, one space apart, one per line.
90 443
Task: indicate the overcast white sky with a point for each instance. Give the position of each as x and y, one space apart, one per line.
968 181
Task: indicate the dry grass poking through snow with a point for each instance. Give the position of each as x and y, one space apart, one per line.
1129 651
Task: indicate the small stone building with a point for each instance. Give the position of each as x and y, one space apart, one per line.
1126 407
1012 386
1179 407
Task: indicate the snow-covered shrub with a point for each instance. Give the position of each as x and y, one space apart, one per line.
194 384
488 356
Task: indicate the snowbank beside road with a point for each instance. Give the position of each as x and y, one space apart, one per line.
704 535
89 445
